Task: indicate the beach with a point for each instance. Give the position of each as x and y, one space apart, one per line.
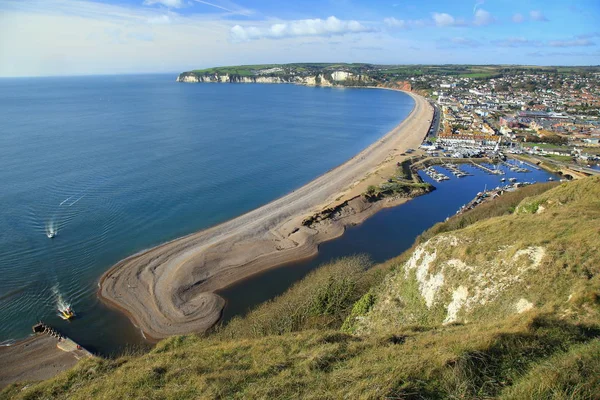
169 289
36 358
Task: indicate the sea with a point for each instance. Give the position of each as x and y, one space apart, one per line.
112 165
116 164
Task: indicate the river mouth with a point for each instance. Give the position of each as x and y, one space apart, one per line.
383 236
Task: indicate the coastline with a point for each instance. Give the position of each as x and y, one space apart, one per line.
169 289
37 357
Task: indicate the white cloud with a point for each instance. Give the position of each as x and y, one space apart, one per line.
395 23
537 15
518 18
483 17
443 19
571 43
305 27
168 3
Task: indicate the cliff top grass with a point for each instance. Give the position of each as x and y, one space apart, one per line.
286 69
305 343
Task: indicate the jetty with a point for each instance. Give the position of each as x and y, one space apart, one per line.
491 194
455 170
488 170
513 167
435 175
63 343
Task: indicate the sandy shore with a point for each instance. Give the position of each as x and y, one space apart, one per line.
33 359
169 289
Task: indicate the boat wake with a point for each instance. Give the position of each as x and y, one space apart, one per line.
51 229
62 217
64 307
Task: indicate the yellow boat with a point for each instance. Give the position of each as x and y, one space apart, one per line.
67 313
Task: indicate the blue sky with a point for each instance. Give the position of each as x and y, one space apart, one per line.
69 37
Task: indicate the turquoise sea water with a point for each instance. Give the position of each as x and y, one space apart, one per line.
119 164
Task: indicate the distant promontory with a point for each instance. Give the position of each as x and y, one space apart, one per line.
355 75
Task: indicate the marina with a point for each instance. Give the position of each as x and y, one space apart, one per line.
492 194
435 175
514 167
488 170
455 170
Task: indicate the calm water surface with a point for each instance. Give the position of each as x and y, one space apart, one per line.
119 164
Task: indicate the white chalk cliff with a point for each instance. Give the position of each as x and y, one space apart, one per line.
341 78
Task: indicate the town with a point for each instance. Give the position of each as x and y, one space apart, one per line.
547 118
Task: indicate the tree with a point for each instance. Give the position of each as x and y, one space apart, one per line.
371 190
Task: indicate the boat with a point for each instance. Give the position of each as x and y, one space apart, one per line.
503 180
550 178
66 313
51 234
512 179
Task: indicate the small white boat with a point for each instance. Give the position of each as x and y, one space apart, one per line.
51 234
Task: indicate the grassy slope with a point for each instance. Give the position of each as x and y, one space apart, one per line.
544 255
295 346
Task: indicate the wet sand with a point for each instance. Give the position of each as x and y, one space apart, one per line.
169 289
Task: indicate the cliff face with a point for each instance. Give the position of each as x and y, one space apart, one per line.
335 78
190 77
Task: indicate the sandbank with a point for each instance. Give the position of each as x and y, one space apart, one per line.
169 289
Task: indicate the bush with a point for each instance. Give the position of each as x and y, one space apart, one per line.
322 299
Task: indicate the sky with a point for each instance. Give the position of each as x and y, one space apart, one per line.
81 37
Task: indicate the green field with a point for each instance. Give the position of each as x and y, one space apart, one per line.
565 159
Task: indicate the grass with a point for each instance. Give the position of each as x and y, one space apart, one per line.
572 374
503 205
545 146
565 159
478 75
405 183
471 361
321 300
242 70
304 344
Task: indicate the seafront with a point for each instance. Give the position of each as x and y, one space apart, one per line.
169 289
